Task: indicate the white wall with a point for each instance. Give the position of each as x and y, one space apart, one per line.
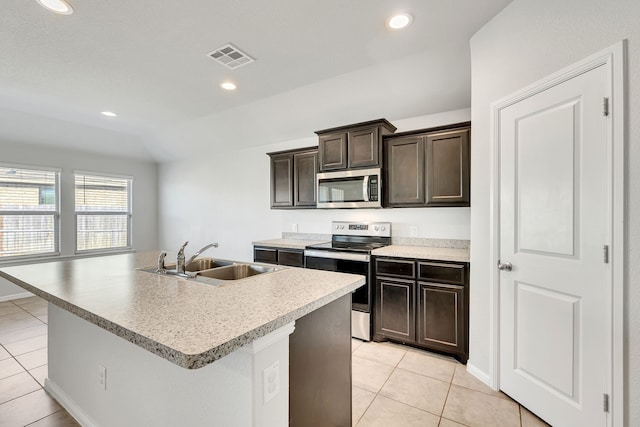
224 197
527 41
145 191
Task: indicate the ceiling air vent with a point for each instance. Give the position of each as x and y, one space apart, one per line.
230 56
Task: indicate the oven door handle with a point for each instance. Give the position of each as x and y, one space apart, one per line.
337 255
365 188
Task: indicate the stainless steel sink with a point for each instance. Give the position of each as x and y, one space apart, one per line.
215 271
206 264
235 271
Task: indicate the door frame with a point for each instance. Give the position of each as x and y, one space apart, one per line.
614 59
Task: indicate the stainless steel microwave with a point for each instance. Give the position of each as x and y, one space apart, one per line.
357 188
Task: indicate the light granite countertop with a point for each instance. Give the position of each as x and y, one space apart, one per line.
424 252
288 243
188 323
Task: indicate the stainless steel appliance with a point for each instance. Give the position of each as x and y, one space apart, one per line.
350 252
357 188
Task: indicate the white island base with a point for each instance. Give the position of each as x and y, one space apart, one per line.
142 389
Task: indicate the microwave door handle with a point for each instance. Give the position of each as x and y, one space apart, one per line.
365 188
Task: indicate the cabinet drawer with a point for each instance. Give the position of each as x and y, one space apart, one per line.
265 255
443 273
395 267
291 258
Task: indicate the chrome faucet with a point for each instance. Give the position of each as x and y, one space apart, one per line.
197 254
180 265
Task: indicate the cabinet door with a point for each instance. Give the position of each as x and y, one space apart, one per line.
282 180
305 167
332 150
447 158
364 148
395 309
405 174
441 317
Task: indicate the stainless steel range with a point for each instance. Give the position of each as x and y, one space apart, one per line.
350 252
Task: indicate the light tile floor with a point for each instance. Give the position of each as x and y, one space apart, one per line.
396 385
393 385
23 367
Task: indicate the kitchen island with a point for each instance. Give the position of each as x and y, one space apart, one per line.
128 347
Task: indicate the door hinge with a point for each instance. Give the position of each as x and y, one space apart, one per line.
605 106
605 251
605 402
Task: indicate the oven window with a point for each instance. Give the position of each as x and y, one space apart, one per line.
341 189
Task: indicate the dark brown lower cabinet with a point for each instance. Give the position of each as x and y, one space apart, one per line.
424 304
268 255
441 317
280 256
396 316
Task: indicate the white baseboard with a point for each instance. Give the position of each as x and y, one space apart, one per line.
15 296
480 374
69 404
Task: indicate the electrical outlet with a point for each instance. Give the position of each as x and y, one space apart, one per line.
413 231
102 377
271 381
294 228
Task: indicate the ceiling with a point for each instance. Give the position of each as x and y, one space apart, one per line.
319 64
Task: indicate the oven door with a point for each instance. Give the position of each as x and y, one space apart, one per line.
345 262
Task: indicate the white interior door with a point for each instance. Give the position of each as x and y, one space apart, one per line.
554 303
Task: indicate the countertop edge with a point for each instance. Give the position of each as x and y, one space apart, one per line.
203 359
188 361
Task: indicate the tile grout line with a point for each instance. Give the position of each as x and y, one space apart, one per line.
40 386
47 416
21 396
404 403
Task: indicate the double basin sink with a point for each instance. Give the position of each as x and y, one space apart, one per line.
216 271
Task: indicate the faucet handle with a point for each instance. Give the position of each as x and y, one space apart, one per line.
161 261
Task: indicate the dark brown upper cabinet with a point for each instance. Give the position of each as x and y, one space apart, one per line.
305 167
293 178
429 167
405 178
353 146
447 163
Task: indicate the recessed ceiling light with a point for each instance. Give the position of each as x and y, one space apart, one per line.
109 114
400 20
228 86
57 6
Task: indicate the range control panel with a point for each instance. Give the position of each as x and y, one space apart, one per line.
381 229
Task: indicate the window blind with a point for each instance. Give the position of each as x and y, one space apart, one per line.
28 212
103 212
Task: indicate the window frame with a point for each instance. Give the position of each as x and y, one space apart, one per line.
129 214
55 213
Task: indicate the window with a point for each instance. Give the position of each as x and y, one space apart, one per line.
28 212
103 212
